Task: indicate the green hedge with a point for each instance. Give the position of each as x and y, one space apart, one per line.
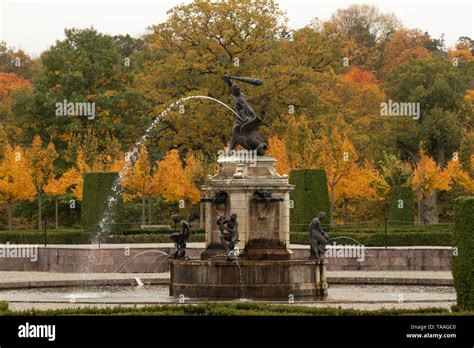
463 262
151 238
405 214
233 309
310 197
433 238
396 228
38 237
378 239
97 192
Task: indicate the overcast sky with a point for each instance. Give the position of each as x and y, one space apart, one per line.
34 25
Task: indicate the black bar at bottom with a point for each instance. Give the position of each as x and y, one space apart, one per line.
211 330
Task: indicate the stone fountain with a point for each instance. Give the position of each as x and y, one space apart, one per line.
248 185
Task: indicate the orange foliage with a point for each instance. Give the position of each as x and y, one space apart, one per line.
429 177
15 176
361 77
138 179
10 82
170 180
277 149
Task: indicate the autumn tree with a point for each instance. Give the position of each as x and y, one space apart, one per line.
18 62
428 177
41 161
170 180
439 88
202 40
277 149
465 178
405 45
57 187
363 183
395 172
138 180
85 67
338 157
299 142
366 30
12 89
16 182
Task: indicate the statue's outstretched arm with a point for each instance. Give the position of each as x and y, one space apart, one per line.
226 78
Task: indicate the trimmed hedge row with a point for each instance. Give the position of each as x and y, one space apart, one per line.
463 262
396 228
151 238
231 309
402 205
310 197
38 237
368 239
378 239
97 192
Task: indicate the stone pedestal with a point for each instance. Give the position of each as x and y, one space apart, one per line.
264 223
248 279
265 267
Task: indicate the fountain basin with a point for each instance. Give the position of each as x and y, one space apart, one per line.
247 279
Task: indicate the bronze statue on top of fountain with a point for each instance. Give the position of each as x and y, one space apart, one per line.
179 238
317 237
245 129
229 234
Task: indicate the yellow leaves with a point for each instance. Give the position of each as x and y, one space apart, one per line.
138 179
337 155
15 176
170 180
299 139
57 72
58 187
465 53
41 162
277 149
429 177
9 83
364 182
361 77
454 171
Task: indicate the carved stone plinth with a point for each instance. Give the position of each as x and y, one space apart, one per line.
260 197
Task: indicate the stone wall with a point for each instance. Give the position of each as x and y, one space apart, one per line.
151 258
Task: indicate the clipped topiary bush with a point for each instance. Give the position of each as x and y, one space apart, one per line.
98 196
310 196
402 206
463 259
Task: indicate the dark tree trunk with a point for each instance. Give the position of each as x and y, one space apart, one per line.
331 199
56 211
9 215
346 213
150 202
143 210
430 211
40 219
